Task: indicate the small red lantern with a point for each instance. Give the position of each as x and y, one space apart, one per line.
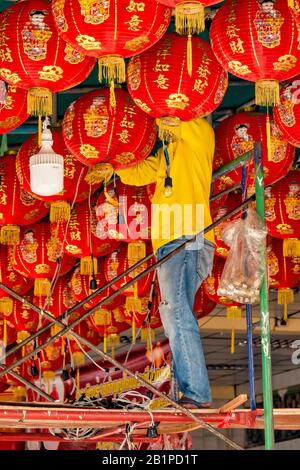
73 170
189 14
13 107
287 112
161 85
111 31
257 40
24 319
61 299
35 58
237 135
38 256
11 278
17 206
95 132
203 305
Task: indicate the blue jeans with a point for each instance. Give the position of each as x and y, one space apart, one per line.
179 279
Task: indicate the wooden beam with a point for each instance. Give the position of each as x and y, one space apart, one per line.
233 404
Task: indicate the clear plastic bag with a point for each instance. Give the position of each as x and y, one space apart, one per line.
245 266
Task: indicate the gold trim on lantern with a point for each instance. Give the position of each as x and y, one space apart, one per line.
169 128
285 297
189 17
267 92
291 247
102 317
42 287
39 101
135 252
111 68
59 211
10 235
22 336
99 173
6 306
88 266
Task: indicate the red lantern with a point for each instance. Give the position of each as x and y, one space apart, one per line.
37 256
161 85
11 278
34 57
111 31
109 328
233 200
287 112
189 14
51 361
73 170
203 305
17 206
80 237
257 41
95 132
76 349
124 212
13 107
237 134
62 297
24 319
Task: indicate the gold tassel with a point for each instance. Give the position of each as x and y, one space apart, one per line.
267 92
105 343
111 68
291 247
42 287
6 306
233 313
88 266
102 317
291 4
39 101
112 95
62 350
133 305
78 379
189 17
21 336
169 128
232 343
147 334
59 211
78 358
49 375
4 332
133 328
39 131
189 55
269 139
135 252
55 329
99 173
285 297
10 235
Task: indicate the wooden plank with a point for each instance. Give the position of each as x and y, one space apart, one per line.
233 404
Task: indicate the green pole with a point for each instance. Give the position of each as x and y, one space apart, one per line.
264 313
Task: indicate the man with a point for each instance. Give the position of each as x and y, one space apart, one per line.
174 219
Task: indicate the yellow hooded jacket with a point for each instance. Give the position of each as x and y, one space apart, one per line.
187 211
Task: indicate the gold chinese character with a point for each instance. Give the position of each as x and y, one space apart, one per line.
237 46
124 136
135 6
199 85
162 81
5 56
134 23
161 67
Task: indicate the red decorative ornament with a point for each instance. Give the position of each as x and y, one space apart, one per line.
203 305
36 58
11 278
233 200
36 257
17 206
189 14
13 107
237 134
97 133
257 41
73 171
110 30
24 319
162 85
287 112
212 282
61 299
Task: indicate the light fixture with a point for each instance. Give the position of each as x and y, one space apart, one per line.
46 167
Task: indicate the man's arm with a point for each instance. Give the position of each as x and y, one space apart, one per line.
141 174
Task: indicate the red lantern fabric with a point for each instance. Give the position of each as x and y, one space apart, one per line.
257 41
237 134
85 330
212 282
131 219
36 256
282 206
72 169
7 332
117 262
287 112
96 132
233 200
122 28
23 317
11 278
160 84
35 56
13 107
62 297
203 305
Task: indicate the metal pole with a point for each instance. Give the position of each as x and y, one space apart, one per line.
264 313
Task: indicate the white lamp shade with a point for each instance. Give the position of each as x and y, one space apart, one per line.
46 174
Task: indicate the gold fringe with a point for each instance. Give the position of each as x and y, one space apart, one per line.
189 55
267 92
169 128
285 296
133 305
291 247
78 358
77 379
291 3
100 172
4 332
6 306
10 235
102 317
40 128
189 17
133 329
135 252
234 313
112 95
105 343
42 287
269 139
111 68
49 375
39 101
88 266
59 211
232 343
21 336
147 334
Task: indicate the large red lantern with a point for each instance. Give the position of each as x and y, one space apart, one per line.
11 278
74 190
80 239
161 85
287 112
95 132
110 30
237 135
257 40
203 305
34 56
13 107
189 14
17 206
38 256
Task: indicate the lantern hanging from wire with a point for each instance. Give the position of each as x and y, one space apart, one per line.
13 107
189 14
160 84
257 40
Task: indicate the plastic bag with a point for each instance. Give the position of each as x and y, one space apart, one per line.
245 266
